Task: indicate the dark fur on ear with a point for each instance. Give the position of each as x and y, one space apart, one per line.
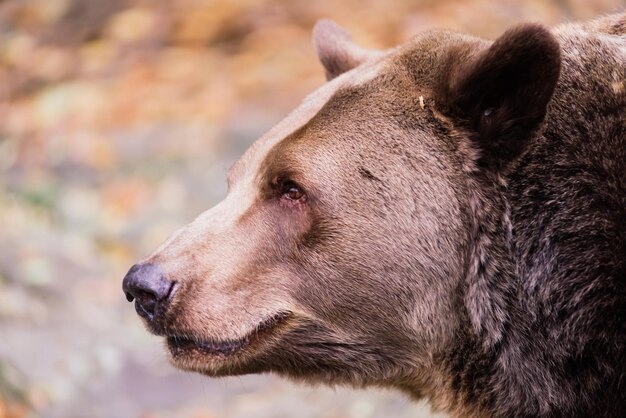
500 95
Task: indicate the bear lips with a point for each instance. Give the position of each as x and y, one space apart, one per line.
178 344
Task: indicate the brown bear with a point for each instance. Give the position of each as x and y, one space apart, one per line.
447 218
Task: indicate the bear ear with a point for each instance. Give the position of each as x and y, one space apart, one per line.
501 94
336 50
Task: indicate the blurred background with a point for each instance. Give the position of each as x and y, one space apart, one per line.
118 121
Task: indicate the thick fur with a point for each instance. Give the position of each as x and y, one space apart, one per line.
462 236
561 344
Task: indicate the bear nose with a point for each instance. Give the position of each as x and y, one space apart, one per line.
148 286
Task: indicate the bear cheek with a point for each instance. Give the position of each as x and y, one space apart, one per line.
286 224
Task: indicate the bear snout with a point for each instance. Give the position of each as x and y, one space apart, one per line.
148 286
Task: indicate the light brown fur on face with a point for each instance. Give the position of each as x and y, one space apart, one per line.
234 249
252 257
371 237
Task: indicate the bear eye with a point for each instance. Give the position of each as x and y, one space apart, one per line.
291 191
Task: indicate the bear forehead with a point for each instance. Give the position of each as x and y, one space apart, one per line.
422 58
250 162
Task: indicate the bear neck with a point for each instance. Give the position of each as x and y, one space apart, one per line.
489 301
477 361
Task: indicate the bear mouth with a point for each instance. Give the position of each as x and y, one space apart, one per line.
183 345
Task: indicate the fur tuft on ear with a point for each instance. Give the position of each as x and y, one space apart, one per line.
336 50
501 94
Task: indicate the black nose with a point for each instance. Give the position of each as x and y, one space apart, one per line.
148 286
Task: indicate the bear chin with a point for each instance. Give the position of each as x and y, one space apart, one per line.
227 358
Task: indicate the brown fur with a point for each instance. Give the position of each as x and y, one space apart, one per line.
446 239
